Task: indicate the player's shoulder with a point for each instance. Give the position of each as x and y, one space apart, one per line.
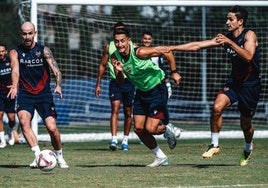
250 34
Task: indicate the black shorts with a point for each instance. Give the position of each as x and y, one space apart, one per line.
152 103
122 91
247 96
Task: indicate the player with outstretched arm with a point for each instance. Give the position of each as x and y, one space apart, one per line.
244 83
150 105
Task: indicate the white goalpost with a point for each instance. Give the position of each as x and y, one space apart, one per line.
77 30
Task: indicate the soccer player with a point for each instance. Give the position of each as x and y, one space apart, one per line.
31 63
244 83
150 104
147 40
118 93
7 105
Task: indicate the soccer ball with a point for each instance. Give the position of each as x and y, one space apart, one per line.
46 160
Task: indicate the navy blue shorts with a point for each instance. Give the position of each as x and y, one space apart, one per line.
122 91
43 104
152 103
7 105
247 96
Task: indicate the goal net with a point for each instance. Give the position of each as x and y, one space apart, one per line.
77 31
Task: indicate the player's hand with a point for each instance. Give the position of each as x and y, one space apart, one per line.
222 39
118 66
97 91
58 90
176 77
12 92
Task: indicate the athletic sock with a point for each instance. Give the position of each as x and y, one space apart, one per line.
59 153
114 139
158 152
36 150
125 140
2 135
215 139
248 147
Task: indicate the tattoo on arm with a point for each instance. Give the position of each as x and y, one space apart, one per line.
53 65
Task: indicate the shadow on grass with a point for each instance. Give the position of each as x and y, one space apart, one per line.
114 165
14 166
206 165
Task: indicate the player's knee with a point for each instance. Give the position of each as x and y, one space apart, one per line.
217 109
138 130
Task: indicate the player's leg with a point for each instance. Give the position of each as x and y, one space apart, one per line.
128 92
157 110
10 111
11 125
149 141
115 105
222 102
30 137
25 112
115 100
127 127
248 131
247 107
46 109
2 132
55 137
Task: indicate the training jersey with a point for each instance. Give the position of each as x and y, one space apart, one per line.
143 73
159 61
5 76
111 50
242 71
34 70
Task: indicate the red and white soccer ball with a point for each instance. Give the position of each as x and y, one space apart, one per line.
46 160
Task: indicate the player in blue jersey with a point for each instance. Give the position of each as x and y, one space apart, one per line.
244 83
7 105
150 104
31 63
118 93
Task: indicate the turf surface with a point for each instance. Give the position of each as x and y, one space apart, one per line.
92 164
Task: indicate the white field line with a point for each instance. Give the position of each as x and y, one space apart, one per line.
80 137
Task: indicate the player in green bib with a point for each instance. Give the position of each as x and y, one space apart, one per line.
150 104
118 93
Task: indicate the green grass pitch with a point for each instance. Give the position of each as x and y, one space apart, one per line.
92 164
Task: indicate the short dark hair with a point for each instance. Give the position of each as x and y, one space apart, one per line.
121 31
119 24
147 33
240 12
5 46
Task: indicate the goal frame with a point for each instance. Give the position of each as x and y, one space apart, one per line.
34 4
202 3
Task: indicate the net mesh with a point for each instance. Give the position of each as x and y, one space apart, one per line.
77 33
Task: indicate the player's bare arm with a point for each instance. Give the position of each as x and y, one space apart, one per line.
14 74
173 68
55 69
101 71
196 46
145 52
248 51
